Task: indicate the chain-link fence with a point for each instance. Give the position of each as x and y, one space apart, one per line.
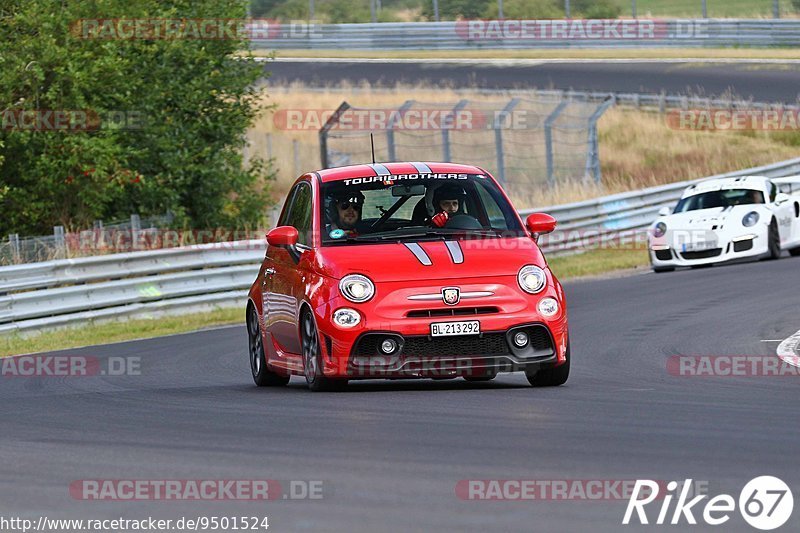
526 142
120 236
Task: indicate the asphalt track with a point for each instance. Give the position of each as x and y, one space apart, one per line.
390 453
766 82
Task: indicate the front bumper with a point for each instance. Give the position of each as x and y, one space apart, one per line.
742 247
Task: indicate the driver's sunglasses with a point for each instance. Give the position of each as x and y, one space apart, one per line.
346 205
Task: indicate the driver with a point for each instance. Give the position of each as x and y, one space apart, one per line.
448 200
345 211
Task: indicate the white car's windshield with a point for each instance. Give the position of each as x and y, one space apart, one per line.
411 206
723 198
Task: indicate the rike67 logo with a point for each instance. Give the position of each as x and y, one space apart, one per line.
765 503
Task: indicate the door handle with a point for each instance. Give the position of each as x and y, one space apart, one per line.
269 271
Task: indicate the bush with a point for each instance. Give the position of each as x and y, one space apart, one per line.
526 9
194 102
596 9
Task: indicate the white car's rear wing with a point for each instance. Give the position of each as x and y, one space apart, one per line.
788 185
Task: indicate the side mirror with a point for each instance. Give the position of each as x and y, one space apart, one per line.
781 198
540 223
282 236
664 211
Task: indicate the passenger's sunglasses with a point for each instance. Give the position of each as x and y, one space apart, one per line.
346 205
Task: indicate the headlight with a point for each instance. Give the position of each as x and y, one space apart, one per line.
346 318
531 279
357 288
548 307
659 230
750 219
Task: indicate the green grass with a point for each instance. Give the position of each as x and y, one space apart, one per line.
597 262
109 332
693 8
590 263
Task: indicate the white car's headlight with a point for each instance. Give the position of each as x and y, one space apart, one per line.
346 318
659 230
531 279
750 219
357 288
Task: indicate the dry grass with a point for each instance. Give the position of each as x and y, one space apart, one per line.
637 149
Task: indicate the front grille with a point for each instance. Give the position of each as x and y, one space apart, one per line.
488 344
663 255
705 254
452 311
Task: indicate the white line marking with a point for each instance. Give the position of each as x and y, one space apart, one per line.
772 340
789 350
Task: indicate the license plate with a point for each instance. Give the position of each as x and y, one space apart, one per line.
446 329
699 246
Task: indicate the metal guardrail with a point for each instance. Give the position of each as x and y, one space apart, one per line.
63 292
515 34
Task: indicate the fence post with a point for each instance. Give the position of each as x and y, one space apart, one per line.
448 123
296 154
436 10
548 140
269 147
776 9
13 240
633 8
390 130
593 153
705 9
499 119
60 241
323 133
136 226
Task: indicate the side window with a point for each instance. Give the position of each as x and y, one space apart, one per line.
300 213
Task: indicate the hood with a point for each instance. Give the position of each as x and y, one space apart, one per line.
429 260
709 219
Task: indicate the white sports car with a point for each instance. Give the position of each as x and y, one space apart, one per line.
726 219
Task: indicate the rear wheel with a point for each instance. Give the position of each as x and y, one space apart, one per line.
774 241
550 377
262 376
312 358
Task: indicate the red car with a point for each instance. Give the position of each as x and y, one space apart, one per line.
405 270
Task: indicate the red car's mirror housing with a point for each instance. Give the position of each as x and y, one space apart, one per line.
282 236
540 223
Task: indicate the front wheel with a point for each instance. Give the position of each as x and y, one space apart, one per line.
773 241
550 377
794 252
312 358
262 376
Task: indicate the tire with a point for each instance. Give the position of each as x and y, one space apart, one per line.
312 358
794 252
774 242
659 270
262 376
550 377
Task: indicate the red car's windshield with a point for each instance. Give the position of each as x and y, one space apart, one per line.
411 206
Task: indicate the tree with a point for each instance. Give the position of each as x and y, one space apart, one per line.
172 115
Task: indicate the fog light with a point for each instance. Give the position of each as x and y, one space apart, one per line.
521 339
388 346
346 318
548 307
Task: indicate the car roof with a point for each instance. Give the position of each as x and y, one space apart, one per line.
719 184
383 169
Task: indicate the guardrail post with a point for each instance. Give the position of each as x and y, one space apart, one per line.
13 241
548 140
499 119
449 123
136 226
323 133
593 152
60 241
390 130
